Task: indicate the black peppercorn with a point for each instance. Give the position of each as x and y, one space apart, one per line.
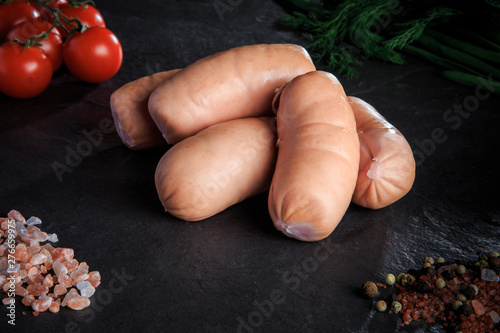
423 287
448 274
471 291
467 309
430 271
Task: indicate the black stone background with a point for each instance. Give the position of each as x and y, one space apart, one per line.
221 275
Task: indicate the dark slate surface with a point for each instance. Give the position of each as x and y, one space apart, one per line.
235 272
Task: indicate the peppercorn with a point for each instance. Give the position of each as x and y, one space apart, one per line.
440 261
471 291
467 308
461 270
495 261
396 307
448 274
408 280
390 279
423 287
381 306
370 289
456 305
399 277
440 283
462 298
426 265
493 254
481 264
430 271
430 260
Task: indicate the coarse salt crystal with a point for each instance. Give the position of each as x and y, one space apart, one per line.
59 268
38 259
86 288
41 304
33 221
495 317
54 307
52 238
489 275
37 289
59 289
72 293
78 303
8 300
20 229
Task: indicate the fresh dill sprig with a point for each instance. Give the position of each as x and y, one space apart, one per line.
344 33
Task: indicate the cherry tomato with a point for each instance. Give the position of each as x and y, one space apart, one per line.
24 73
87 15
45 13
52 45
93 55
14 13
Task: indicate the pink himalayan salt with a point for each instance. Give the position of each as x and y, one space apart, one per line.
41 304
78 303
478 307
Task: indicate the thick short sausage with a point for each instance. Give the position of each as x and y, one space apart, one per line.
231 84
129 107
216 168
387 165
318 157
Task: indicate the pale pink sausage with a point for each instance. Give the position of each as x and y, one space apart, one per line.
235 83
318 157
387 165
220 166
129 108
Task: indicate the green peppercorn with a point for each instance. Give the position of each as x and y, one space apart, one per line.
462 298
493 254
408 280
440 283
430 260
456 305
390 279
426 265
396 307
370 289
381 306
399 277
461 270
481 264
440 261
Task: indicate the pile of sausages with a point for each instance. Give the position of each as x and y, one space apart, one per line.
261 117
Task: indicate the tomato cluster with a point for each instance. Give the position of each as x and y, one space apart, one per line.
38 36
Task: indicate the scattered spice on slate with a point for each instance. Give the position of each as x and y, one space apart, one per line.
370 289
461 296
43 276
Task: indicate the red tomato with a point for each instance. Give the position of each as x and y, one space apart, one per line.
52 45
14 13
45 13
93 55
23 73
87 14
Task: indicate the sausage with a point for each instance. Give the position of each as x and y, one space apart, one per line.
129 107
235 83
218 167
318 157
387 165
